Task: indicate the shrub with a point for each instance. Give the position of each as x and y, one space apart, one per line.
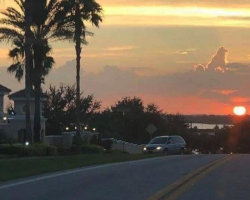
107 144
82 142
92 149
32 150
67 152
6 140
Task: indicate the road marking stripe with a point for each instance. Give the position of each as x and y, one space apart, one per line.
58 174
175 190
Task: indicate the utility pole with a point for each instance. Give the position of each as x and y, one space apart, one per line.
123 110
28 61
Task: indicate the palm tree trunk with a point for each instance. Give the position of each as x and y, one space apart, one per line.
78 68
37 116
38 60
28 56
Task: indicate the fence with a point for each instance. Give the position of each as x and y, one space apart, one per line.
128 147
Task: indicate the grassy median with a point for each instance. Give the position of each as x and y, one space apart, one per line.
20 168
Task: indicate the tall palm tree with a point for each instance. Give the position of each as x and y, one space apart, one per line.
10 33
18 67
76 13
43 29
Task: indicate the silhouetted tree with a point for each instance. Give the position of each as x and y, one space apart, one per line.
60 109
76 13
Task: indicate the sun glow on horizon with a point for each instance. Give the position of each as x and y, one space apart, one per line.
239 110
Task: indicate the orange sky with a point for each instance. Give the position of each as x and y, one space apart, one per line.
155 38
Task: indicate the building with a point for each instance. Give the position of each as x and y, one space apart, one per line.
12 124
3 91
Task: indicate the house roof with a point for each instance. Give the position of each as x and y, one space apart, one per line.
4 89
21 95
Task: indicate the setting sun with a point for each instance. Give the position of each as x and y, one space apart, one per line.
239 110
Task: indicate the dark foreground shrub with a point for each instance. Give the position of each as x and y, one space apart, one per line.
85 149
32 150
94 149
107 144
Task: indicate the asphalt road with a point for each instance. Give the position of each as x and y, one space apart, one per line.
228 179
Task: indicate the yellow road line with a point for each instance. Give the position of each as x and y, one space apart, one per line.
175 190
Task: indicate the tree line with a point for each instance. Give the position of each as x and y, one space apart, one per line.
127 119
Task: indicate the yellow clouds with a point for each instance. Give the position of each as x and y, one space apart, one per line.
122 48
175 11
172 15
178 3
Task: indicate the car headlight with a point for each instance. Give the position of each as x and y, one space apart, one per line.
144 148
159 148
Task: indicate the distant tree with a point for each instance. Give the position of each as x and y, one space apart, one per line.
60 108
153 108
132 125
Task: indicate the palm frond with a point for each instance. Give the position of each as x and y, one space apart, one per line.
17 69
9 34
21 4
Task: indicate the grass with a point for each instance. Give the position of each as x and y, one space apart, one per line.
20 168
4 156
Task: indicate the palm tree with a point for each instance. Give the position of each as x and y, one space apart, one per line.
43 29
18 67
76 13
11 34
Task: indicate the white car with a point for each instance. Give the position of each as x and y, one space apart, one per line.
166 144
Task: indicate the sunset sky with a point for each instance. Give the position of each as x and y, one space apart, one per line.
189 56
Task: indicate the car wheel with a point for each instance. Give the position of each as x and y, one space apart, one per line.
165 151
182 152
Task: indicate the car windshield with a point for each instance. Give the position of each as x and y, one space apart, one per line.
162 140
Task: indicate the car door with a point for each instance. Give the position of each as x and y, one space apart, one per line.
171 146
175 145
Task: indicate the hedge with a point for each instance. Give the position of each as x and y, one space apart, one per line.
94 149
31 150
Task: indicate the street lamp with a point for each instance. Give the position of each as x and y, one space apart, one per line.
67 128
85 127
4 118
94 129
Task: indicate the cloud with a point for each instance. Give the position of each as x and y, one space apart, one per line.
141 71
203 90
185 51
199 68
212 3
191 49
199 91
181 52
122 48
9 80
218 62
225 92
